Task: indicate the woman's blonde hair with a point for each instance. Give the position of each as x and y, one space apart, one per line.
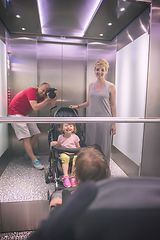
91 165
61 127
103 63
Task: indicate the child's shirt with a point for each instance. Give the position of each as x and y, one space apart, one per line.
68 142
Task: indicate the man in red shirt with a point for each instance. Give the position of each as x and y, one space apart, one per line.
20 106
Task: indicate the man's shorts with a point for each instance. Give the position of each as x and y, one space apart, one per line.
24 130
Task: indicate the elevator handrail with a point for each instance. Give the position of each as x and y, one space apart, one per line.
78 119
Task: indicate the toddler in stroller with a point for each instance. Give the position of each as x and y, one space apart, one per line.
61 159
68 139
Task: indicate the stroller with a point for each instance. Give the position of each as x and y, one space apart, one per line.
54 173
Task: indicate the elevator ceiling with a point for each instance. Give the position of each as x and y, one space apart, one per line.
70 18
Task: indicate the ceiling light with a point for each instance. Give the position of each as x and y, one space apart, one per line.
101 34
142 26
130 37
110 24
92 14
23 29
18 16
122 9
43 9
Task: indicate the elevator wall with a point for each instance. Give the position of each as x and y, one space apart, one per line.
67 66
63 66
150 165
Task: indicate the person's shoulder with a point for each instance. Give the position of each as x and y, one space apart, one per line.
30 89
76 136
91 84
112 86
60 136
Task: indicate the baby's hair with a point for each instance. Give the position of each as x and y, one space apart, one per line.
61 127
91 165
103 63
98 147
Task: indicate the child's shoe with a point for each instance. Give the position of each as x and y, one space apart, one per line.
73 181
66 181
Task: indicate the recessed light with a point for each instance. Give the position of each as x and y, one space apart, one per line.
18 16
110 24
122 9
23 29
101 34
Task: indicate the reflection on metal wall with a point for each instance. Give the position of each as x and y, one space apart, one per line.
135 29
96 50
151 151
63 67
23 74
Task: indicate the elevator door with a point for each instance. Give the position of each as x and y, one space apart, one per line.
63 66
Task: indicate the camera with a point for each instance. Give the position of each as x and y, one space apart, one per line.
51 92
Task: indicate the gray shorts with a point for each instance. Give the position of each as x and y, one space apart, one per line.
24 130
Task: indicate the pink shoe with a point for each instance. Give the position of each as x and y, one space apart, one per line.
73 181
66 181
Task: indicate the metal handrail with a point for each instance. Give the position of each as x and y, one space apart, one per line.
78 119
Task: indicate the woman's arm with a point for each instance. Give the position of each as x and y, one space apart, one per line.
113 106
85 104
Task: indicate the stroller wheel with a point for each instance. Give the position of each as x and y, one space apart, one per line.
47 174
49 193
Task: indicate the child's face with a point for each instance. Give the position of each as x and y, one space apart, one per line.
68 128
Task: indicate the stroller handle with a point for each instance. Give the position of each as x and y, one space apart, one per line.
61 149
50 110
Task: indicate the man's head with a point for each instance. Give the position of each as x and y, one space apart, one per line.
42 89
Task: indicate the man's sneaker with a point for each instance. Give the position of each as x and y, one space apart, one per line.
37 164
66 181
73 181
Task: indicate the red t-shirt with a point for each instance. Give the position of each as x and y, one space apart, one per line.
20 103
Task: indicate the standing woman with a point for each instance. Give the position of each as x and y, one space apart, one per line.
102 103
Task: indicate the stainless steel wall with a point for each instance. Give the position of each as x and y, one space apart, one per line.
63 66
23 74
150 165
96 50
67 66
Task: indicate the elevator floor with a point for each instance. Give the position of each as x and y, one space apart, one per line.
22 182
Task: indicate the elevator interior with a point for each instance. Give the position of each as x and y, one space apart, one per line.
66 62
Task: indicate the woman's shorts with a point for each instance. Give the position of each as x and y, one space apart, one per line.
23 129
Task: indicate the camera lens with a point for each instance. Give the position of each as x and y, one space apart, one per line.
52 94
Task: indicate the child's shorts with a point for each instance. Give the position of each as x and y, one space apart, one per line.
66 158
